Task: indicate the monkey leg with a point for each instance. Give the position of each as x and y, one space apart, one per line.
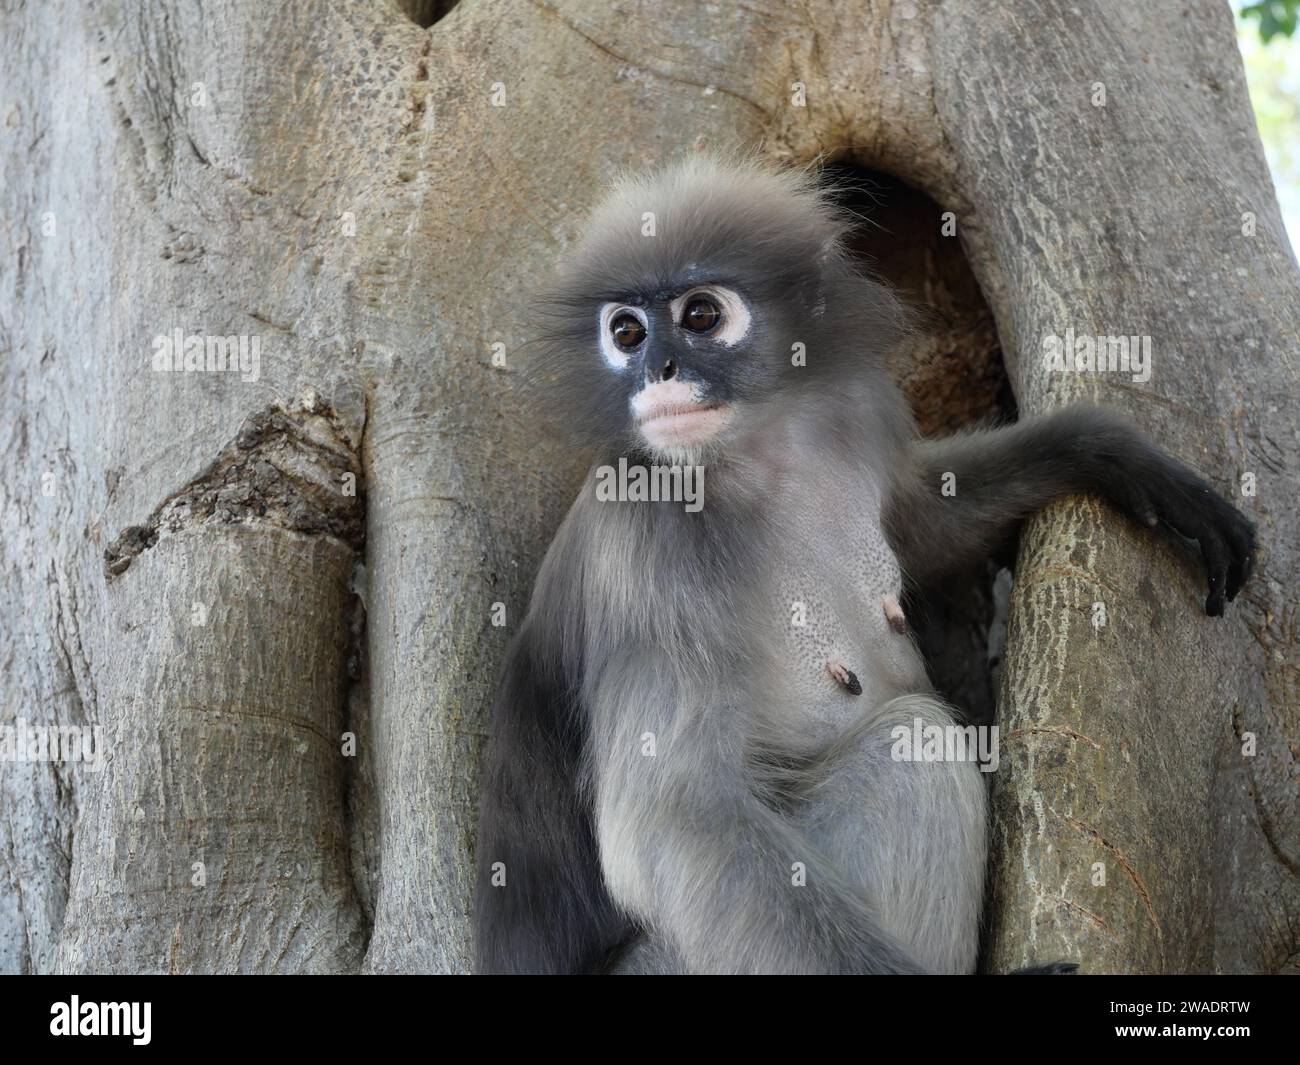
911 833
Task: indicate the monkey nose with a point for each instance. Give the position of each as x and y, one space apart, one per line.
660 366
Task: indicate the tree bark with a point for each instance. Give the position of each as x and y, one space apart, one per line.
232 574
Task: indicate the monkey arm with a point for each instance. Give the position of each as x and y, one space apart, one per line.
969 492
540 903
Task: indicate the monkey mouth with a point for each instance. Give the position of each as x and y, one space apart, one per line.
667 425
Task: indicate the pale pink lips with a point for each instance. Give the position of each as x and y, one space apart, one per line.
681 424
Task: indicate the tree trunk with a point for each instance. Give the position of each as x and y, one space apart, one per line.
275 592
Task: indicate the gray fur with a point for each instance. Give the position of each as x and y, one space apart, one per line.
653 627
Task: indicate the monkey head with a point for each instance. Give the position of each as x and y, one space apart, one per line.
700 298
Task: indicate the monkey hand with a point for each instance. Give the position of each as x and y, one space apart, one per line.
1154 488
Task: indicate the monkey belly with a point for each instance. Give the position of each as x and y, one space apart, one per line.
834 602
885 664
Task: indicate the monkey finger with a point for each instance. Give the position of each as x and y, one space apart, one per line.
1215 553
1240 534
1239 572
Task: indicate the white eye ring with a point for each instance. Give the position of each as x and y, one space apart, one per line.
735 314
611 352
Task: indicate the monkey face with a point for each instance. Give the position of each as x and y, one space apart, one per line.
677 352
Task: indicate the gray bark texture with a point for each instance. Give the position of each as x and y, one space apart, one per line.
231 574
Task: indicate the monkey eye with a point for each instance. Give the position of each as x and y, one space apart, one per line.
701 315
627 331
